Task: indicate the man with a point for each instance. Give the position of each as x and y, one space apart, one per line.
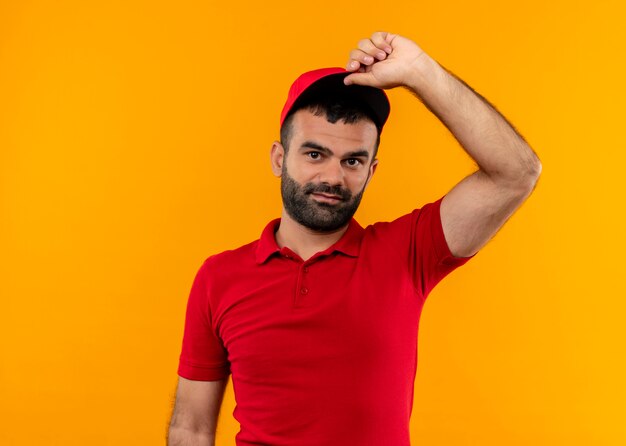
317 320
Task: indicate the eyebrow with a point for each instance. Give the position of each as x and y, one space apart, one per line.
327 151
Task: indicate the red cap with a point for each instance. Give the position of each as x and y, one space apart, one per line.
331 79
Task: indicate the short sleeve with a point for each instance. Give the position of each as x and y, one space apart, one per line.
203 356
432 259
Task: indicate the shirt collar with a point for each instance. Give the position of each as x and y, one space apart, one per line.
348 244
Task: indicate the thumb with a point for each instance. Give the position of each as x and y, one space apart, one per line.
366 79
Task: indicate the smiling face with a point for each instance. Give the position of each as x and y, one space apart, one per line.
326 169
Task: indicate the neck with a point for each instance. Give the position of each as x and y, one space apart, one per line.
304 241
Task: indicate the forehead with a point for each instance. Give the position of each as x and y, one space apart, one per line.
339 137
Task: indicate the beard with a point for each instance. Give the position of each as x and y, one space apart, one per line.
317 216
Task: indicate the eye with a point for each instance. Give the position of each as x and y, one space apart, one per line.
314 155
353 162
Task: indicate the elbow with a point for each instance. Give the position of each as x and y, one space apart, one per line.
522 181
527 182
529 173
535 165
534 173
520 171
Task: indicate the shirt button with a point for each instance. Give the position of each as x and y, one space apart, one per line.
306 269
304 290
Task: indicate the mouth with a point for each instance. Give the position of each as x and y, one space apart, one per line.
326 198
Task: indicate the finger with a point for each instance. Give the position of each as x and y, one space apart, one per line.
368 47
358 57
379 39
355 65
360 79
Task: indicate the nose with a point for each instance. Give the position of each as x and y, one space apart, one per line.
332 173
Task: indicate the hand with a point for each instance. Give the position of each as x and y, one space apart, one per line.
384 61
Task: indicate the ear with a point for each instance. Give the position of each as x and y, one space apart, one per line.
372 169
277 157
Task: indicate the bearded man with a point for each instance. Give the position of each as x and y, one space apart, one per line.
317 320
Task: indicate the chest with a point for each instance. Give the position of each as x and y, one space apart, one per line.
288 318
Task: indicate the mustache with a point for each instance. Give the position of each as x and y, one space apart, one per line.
344 194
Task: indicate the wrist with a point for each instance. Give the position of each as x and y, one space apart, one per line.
422 72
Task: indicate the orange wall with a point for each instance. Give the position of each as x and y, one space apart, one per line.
134 143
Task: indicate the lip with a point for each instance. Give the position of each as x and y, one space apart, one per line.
325 198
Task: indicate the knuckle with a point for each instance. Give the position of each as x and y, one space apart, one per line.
381 36
355 54
364 44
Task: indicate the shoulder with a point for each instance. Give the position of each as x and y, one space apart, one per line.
411 229
231 257
406 222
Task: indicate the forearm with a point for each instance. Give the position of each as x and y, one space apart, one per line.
185 437
482 131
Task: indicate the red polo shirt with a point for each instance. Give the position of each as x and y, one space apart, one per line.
322 352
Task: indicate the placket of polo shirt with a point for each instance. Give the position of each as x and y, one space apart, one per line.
305 292
301 289
302 296
302 293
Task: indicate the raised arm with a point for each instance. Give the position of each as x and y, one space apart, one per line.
196 410
475 209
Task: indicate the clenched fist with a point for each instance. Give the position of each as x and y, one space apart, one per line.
385 60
